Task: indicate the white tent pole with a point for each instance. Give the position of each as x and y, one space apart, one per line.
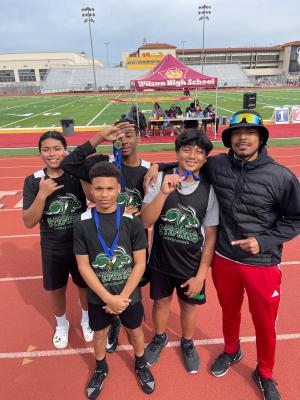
215 130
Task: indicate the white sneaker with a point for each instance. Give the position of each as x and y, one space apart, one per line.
61 336
88 334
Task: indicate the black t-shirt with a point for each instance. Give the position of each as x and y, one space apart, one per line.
61 208
81 160
133 192
132 238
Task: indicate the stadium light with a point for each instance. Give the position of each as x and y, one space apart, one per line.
88 14
183 41
204 12
107 57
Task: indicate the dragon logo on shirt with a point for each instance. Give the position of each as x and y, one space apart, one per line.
131 197
182 217
64 205
180 225
62 211
118 260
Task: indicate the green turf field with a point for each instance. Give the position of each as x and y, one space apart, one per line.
90 110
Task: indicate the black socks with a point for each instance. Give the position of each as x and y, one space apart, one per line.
102 365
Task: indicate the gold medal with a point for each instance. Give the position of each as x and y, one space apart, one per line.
117 144
109 264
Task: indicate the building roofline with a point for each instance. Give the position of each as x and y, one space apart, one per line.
157 46
229 49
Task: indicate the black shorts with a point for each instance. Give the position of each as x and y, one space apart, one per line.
131 318
57 265
162 286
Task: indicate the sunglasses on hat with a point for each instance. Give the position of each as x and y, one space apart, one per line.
245 117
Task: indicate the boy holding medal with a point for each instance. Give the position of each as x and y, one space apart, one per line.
184 211
110 248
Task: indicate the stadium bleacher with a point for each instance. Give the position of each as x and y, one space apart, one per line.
229 75
118 78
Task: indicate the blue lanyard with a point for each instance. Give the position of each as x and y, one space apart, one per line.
108 251
118 162
189 173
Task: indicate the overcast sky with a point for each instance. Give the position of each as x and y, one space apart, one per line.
39 25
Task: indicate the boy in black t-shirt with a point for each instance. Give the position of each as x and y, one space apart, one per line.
80 161
53 199
110 248
184 211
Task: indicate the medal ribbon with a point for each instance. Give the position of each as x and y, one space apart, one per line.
189 173
118 162
108 251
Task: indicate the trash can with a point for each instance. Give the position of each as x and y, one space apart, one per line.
67 126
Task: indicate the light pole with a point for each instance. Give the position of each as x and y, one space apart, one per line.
183 41
204 12
88 14
107 58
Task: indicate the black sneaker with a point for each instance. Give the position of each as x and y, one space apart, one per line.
190 356
146 378
113 335
154 348
95 384
267 386
224 361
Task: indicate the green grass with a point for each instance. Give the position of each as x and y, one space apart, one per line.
47 111
15 152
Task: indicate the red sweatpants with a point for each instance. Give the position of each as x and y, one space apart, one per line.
262 285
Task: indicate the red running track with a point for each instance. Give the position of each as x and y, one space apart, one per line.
29 139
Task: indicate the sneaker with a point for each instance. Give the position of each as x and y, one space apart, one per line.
154 348
190 356
146 378
113 335
267 386
88 334
224 361
95 384
61 336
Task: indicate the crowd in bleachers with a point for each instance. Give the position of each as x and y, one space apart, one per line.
293 80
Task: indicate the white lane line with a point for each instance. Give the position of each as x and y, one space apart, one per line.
23 166
11 209
19 236
34 277
100 112
290 263
126 347
22 278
